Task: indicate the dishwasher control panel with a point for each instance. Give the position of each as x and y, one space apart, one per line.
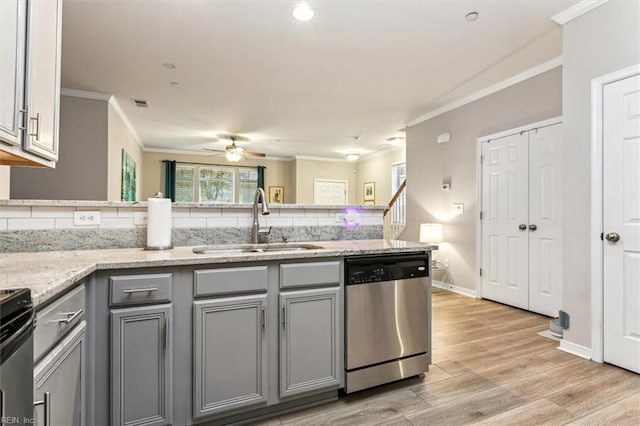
370 269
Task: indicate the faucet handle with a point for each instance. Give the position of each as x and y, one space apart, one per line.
265 231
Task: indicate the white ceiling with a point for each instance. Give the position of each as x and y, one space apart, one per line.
359 68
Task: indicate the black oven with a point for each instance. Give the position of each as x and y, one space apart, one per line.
16 354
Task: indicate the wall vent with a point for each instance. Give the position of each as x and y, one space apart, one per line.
140 103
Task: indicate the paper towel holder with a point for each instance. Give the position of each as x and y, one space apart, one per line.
170 246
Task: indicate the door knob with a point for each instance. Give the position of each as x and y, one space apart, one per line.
612 237
533 227
522 227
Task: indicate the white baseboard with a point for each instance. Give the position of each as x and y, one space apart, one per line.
454 288
575 349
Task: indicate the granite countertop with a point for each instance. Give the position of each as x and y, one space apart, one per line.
50 273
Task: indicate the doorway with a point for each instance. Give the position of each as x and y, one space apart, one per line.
615 210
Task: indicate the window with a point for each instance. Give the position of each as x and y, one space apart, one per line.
215 184
248 184
184 184
398 175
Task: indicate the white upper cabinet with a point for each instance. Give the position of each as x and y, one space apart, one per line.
12 50
30 81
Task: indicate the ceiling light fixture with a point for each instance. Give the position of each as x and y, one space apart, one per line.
233 157
302 12
352 156
472 16
395 141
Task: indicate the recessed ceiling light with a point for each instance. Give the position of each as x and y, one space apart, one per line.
472 16
302 12
169 66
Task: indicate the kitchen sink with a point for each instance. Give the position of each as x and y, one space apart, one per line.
254 248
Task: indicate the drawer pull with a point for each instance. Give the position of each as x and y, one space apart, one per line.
71 316
140 290
46 402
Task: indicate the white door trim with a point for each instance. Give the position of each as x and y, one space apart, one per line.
597 256
479 141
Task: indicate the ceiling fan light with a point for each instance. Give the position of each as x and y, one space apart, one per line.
233 157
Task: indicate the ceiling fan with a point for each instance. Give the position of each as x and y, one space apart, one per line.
233 152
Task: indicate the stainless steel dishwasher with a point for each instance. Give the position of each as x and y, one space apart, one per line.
387 318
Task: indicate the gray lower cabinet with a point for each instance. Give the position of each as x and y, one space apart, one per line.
59 382
141 365
309 340
230 354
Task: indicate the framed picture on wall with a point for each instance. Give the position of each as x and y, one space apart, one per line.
128 183
369 192
276 194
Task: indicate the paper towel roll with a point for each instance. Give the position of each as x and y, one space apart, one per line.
159 223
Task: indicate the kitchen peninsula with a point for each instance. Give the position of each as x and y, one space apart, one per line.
176 337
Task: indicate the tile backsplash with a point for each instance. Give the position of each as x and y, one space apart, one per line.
51 227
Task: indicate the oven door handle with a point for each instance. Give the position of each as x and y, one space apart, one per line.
19 333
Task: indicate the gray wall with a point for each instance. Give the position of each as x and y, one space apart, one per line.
428 164
81 173
602 41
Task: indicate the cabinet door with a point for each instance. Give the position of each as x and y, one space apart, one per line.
61 377
43 77
230 352
141 377
309 340
12 50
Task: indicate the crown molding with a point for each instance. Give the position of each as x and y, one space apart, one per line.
96 96
383 152
333 160
577 10
518 78
116 107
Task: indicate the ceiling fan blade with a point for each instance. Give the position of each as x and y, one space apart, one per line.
253 154
214 150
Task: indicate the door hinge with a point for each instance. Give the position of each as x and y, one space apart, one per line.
480 271
602 236
481 159
480 215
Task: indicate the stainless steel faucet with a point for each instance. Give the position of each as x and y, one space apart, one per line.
255 226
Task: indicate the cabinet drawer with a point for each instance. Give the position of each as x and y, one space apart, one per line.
309 274
138 289
249 279
54 321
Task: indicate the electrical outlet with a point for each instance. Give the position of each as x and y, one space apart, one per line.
457 208
446 263
140 218
86 218
339 217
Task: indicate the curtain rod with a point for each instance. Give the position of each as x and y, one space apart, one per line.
212 164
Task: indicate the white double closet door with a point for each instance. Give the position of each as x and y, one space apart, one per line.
521 199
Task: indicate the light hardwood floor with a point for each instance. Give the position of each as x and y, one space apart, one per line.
490 368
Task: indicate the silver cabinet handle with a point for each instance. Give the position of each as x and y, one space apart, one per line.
612 237
140 290
46 402
284 317
71 316
264 319
26 113
166 333
533 227
522 227
37 132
